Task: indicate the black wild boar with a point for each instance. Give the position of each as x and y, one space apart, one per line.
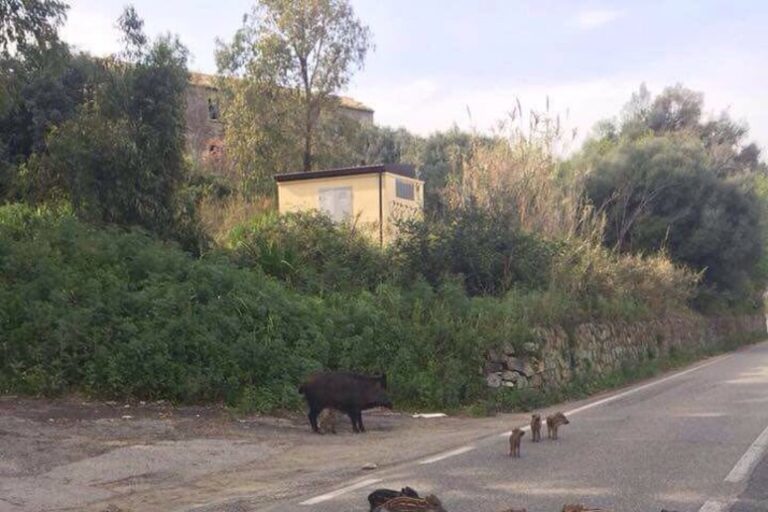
408 504
347 392
380 496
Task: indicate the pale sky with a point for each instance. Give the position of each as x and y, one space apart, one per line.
440 62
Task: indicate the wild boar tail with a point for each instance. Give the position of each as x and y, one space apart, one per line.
301 389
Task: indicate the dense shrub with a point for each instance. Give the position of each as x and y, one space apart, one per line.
120 314
117 313
310 251
487 250
604 284
664 193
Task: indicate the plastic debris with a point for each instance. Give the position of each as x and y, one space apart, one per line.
429 415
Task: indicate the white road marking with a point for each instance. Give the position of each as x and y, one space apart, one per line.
465 449
630 391
339 492
646 386
747 462
445 455
508 433
714 506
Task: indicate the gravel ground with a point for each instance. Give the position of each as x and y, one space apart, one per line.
73 454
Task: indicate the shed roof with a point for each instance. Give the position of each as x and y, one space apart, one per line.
400 169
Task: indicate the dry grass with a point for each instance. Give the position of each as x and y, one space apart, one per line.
520 174
589 270
219 217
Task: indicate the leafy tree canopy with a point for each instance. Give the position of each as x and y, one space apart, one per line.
26 25
668 179
303 49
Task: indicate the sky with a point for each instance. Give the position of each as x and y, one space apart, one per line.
438 63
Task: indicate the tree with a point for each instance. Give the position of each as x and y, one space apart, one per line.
664 193
134 38
442 158
261 134
28 24
678 110
675 109
41 85
120 159
47 95
305 49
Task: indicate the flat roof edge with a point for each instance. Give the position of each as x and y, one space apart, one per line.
404 170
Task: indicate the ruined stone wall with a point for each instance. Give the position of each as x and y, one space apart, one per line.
593 349
202 132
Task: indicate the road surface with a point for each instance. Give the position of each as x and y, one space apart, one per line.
693 440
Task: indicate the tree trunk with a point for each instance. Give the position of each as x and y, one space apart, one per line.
308 141
309 120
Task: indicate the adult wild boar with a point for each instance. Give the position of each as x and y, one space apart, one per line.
350 393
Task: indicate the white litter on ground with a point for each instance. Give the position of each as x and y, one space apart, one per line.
430 415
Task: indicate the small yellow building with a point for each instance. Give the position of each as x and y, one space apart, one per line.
372 197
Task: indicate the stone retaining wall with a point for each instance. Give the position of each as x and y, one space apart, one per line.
557 356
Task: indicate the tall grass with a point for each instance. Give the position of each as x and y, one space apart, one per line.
519 178
519 174
219 216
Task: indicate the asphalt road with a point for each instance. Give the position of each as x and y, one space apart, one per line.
693 440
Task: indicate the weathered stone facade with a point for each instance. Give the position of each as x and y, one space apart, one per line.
557 356
205 131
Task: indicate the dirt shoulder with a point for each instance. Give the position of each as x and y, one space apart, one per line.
72 454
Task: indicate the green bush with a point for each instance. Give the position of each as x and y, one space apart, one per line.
310 252
489 252
116 313
665 193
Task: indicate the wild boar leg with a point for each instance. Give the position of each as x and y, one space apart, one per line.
360 421
313 413
353 418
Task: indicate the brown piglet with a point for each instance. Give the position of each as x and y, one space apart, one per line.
536 428
554 422
407 504
581 508
514 442
326 421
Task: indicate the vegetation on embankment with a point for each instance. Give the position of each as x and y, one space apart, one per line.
118 313
584 386
120 274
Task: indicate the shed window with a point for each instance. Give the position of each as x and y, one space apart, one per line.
336 203
404 190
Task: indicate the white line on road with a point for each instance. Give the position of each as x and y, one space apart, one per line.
747 461
339 492
445 455
465 449
646 386
631 391
509 432
714 506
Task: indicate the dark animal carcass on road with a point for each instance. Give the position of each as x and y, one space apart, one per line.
350 393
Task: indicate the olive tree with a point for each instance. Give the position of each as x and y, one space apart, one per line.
26 24
302 51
